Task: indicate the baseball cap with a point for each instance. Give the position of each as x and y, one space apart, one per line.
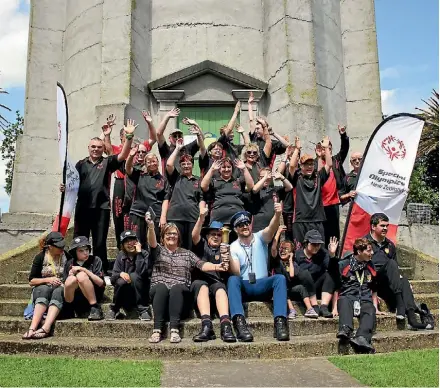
305 158
176 130
80 241
240 217
314 237
127 234
55 239
214 225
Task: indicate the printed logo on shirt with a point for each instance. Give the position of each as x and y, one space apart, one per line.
196 184
369 278
236 184
100 166
352 277
160 184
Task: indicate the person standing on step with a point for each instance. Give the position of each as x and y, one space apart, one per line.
351 179
171 278
45 279
207 286
321 265
283 263
92 211
130 278
119 211
358 297
307 183
84 283
393 287
249 278
334 185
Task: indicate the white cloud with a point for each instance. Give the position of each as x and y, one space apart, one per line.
401 71
402 100
389 72
14 26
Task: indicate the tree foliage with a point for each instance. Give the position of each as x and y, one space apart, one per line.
8 147
3 121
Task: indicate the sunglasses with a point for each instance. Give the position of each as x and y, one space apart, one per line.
356 159
171 234
251 153
142 152
219 234
177 136
243 224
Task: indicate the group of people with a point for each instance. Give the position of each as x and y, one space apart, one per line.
242 231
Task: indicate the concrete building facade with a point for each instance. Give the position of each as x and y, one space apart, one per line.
311 64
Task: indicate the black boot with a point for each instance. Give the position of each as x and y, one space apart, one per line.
325 312
281 329
206 334
241 329
344 333
361 345
226 333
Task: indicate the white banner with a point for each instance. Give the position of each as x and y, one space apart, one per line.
71 179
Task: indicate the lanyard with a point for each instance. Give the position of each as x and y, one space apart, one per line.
361 281
248 256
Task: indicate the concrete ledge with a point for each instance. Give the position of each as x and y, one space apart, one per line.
425 266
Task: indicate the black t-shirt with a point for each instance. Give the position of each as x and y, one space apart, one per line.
382 251
278 148
350 181
262 205
288 197
130 187
308 197
166 150
93 264
94 182
211 255
231 150
316 265
150 191
280 267
184 196
228 198
350 285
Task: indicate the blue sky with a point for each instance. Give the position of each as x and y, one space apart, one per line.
407 33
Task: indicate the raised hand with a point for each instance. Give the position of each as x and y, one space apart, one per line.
148 219
342 129
325 142
297 142
107 128
138 247
251 98
147 116
188 121
263 122
134 150
289 150
239 164
268 175
195 130
278 176
216 165
204 212
281 229
173 113
278 207
130 127
333 245
179 144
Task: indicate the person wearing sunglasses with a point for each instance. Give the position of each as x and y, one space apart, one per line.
84 283
211 286
250 281
251 158
171 278
351 178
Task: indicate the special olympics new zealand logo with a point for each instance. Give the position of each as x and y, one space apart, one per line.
395 148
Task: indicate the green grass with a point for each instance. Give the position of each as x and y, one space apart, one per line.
69 372
412 368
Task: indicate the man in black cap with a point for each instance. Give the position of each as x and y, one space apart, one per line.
207 285
130 278
250 278
84 283
392 286
357 296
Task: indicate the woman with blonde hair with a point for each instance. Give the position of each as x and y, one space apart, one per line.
251 158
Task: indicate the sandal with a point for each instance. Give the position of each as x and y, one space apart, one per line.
156 337
175 336
40 334
29 334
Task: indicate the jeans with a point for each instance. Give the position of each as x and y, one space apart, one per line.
262 289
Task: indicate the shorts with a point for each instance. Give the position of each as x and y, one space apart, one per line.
212 285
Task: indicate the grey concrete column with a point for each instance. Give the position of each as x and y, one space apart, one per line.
361 70
292 105
37 169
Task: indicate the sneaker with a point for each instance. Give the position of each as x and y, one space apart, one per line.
112 315
145 316
96 314
292 314
325 311
311 313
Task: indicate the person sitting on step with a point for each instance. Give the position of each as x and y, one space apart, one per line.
84 283
171 278
320 267
357 296
130 278
207 285
283 263
393 287
45 279
250 280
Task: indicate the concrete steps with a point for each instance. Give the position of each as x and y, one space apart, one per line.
262 348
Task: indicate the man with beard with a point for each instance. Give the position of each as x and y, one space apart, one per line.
307 183
207 286
349 191
392 287
250 279
92 211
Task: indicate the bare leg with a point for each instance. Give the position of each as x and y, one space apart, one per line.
86 286
313 300
70 287
307 302
326 298
39 310
290 304
52 314
203 301
221 300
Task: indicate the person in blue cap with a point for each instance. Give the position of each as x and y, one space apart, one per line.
250 279
211 284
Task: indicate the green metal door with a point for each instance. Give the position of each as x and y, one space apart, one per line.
210 120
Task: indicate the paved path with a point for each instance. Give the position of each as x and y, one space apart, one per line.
311 372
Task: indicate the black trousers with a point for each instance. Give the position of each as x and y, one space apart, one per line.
390 283
139 226
129 295
97 222
118 208
169 303
367 319
324 283
331 226
185 229
299 230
